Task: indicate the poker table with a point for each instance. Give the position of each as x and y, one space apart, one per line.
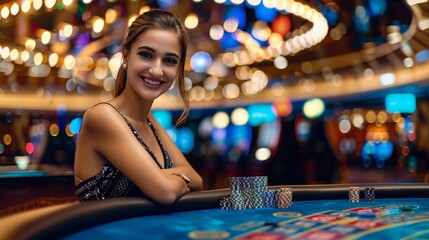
400 211
38 185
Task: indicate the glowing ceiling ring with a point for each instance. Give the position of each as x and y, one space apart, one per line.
292 45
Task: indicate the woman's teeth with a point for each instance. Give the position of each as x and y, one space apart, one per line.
152 82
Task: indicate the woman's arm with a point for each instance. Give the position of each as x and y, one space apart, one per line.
182 165
106 134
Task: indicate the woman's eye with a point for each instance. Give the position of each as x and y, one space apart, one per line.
145 54
171 61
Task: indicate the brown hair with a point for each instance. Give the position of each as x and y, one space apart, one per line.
157 19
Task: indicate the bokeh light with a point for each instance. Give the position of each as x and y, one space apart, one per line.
220 120
200 61
239 116
313 108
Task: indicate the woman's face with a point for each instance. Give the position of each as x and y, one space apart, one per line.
153 62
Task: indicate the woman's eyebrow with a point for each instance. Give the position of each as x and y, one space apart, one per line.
153 50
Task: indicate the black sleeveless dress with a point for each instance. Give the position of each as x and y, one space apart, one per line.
110 182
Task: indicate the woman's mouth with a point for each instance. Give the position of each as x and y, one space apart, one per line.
151 82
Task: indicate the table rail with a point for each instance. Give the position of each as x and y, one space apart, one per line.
79 216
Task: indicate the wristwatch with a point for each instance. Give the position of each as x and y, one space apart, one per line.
183 176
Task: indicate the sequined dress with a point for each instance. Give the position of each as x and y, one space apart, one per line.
110 182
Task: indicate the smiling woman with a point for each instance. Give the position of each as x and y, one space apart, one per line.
150 164
155 55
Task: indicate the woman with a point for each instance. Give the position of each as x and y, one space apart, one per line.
122 151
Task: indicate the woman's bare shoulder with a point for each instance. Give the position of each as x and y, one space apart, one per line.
101 117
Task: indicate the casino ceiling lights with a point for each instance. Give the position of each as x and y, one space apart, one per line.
240 50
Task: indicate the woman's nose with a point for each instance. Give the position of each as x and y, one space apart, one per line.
156 68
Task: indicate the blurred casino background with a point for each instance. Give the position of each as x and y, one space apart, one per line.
305 92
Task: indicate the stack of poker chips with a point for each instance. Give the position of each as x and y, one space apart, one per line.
252 192
247 192
272 198
237 202
260 187
369 194
225 203
285 198
354 194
